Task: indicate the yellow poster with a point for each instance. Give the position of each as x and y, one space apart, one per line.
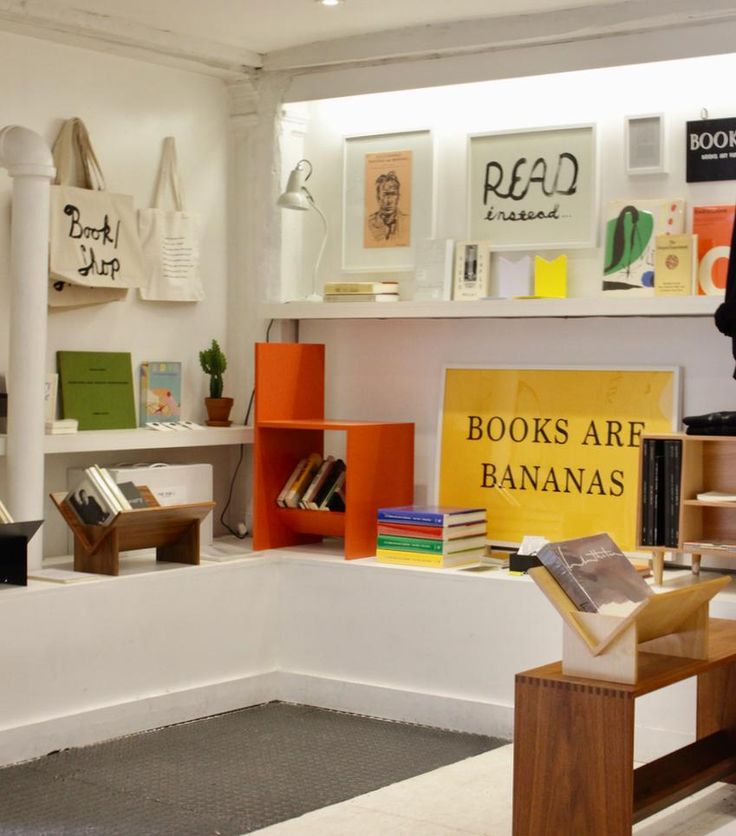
551 452
387 215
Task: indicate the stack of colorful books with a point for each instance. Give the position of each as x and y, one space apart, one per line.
435 536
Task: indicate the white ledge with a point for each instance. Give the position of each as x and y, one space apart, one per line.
495 308
143 439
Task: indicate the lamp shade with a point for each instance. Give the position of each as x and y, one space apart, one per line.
295 196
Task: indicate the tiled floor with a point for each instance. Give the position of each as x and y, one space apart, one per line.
474 797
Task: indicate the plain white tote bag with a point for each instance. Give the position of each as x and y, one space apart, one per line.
170 239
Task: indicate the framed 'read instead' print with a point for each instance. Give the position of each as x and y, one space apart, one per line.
388 199
534 189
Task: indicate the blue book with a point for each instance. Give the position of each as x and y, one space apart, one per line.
160 392
439 515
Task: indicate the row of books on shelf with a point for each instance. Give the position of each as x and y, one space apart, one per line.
436 536
660 493
316 484
97 498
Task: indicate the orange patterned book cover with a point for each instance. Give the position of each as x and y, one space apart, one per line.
713 226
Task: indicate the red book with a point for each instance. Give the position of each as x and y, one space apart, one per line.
713 226
432 532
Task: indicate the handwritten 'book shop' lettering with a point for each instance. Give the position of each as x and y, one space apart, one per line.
92 264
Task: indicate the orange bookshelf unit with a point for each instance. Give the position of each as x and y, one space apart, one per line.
290 424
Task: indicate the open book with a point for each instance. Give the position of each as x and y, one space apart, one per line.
596 575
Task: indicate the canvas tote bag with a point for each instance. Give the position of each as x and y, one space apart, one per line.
94 251
170 239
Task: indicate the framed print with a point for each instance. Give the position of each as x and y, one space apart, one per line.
533 189
645 148
388 200
551 451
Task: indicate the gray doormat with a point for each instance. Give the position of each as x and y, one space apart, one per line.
227 775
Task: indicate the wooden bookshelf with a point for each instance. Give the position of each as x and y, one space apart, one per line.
708 464
172 529
289 425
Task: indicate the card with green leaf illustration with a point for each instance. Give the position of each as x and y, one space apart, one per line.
631 230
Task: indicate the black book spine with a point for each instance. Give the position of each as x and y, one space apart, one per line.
676 491
647 486
659 493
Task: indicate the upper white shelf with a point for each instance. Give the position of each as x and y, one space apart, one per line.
492 308
143 439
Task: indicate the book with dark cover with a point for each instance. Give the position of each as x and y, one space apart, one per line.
133 495
89 503
672 468
595 574
329 484
658 500
431 514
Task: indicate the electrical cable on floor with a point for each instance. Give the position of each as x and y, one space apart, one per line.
241 535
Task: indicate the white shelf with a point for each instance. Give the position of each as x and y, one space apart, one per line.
143 439
496 308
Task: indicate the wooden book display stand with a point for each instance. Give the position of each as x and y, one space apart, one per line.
172 529
673 623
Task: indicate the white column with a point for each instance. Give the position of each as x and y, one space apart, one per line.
27 158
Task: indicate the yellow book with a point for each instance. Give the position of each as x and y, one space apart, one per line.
437 561
550 277
675 264
301 483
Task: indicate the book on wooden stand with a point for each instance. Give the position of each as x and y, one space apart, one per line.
673 622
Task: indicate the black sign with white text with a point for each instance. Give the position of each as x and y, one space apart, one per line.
711 150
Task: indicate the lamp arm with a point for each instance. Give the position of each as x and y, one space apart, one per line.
317 297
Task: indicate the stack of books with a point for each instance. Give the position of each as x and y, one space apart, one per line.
315 484
361 292
434 536
97 498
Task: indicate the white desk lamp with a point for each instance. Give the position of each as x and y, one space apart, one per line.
297 196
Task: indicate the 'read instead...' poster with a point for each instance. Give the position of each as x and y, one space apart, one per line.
713 226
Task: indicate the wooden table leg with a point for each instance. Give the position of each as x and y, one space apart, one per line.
717 703
573 759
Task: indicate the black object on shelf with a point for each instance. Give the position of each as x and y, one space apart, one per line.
14 538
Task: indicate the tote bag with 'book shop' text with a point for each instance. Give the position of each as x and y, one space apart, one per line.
170 239
94 251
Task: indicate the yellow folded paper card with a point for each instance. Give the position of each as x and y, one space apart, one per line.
550 277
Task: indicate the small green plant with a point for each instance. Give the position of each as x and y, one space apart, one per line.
213 363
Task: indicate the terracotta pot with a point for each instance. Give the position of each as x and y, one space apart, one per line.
218 411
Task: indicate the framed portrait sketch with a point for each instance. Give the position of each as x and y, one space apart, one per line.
534 189
388 199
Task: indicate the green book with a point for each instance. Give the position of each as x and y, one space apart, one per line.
421 544
97 389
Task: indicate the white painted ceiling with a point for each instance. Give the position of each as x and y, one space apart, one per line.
263 26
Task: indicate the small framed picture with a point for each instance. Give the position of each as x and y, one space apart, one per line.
645 144
472 270
388 200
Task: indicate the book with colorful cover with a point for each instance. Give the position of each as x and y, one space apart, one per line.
438 515
430 559
595 574
97 389
301 483
433 532
675 264
631 229
713 225
160 392
419 544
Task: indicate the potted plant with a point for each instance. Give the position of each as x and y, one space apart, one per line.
213 362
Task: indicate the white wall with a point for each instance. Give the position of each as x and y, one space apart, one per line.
679 89
392 369
129 107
